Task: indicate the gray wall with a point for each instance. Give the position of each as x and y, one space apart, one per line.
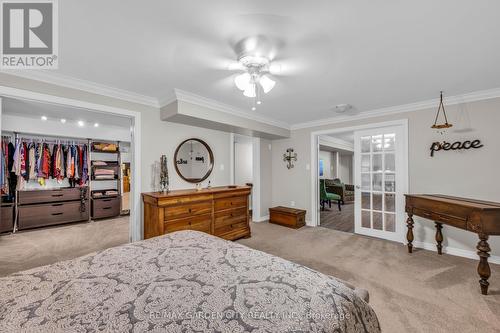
472 173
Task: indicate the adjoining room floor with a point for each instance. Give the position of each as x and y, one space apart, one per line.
332 218
38 247
419 292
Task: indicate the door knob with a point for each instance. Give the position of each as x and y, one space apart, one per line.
358 187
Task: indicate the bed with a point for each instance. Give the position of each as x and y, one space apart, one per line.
185 281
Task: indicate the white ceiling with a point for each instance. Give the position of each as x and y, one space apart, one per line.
35 110
370 54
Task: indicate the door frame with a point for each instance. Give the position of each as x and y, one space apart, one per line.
256 209
315 152
135 224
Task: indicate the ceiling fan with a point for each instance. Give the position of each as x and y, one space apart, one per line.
254 61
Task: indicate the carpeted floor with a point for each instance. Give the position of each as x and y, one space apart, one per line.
421 292
343 220
38 247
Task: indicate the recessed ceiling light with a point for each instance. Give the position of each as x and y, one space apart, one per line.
63 120
81 123
96 124
254 108
44 118
259 102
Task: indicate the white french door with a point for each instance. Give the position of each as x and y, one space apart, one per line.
381 179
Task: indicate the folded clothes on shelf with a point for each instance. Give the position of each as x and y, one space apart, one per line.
104 172
108 147
111 192
99 163
104 176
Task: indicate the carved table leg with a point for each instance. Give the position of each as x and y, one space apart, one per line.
409 234
439 237
483 269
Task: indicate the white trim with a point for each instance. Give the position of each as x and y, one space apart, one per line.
87 86
429 104
226 108
256 186
260 219
454 251
231 158
314 158
336 143
136 232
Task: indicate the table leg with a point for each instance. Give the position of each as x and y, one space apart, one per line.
409 234
439 237
483 269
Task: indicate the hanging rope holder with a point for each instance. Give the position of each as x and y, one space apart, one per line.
446 124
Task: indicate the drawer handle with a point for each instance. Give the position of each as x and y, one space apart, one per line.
231 214
57 195
107 207
190 210
57 214
57 205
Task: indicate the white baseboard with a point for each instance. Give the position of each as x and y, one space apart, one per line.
260 219
454 251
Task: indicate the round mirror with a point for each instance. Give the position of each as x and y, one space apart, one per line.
194 160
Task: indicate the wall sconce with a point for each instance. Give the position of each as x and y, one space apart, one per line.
289 157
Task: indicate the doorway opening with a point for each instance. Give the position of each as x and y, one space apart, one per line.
335 171
380 176
78 197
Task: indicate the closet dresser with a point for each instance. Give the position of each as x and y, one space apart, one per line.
220 211
39 208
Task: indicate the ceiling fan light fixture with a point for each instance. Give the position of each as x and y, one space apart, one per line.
254 61
242 81
250 90
266 83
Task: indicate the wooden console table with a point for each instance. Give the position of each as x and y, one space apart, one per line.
480 217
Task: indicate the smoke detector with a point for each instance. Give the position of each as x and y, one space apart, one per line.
341 108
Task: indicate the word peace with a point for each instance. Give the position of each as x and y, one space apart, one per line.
436 146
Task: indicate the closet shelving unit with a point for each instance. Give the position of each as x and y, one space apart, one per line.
105 206
53 205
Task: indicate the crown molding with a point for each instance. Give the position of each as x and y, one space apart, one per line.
428 104
84 85
188 97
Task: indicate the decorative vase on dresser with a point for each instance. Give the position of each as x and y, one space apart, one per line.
220 211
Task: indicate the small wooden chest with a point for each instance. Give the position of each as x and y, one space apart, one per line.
288 217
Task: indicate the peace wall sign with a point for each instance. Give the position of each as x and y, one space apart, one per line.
457 145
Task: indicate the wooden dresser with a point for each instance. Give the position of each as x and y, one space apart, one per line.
220 211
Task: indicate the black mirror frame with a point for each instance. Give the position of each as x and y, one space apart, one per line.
211 156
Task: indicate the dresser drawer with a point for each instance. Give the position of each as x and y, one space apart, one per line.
6 218
236 234
106 207
43 196
184 200
455 221
230 202
220 230
230 216
199 223
181 211
33 216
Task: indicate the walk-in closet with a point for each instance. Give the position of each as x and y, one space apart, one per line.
64 173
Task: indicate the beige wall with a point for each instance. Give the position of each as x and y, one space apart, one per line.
472 173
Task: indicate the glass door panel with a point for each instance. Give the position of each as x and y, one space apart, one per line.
376 156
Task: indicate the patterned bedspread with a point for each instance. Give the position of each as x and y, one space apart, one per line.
182 282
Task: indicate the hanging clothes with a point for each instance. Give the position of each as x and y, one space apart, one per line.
32 161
